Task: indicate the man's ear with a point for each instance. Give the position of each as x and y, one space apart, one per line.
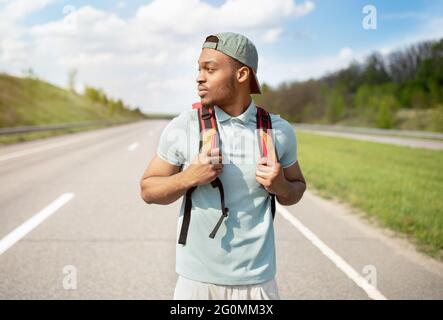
243 74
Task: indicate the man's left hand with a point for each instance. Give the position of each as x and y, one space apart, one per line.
270 175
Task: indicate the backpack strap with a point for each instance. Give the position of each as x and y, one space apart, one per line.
209 134
267 148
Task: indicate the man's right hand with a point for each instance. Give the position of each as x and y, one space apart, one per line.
205 167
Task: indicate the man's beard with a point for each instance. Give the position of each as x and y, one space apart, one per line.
228 93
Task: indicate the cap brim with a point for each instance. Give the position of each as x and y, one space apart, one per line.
255 85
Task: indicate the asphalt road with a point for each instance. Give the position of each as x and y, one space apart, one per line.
73 225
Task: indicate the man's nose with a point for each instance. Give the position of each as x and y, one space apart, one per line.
200 78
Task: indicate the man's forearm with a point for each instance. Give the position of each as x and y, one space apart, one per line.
164 190
291 192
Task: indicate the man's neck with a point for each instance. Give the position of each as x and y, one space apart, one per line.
238 107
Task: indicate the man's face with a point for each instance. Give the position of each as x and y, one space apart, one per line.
216 78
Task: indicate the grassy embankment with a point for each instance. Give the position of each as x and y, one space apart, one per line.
30 102
396 187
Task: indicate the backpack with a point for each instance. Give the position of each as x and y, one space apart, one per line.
208 134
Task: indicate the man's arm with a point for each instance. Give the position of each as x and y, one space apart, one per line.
294 186
163 183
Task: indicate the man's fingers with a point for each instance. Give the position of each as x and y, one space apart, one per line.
211 156
203 159
263 168
262 174
217 166
208 156
262 160
210 160
260 180
213 152
215 159
268 161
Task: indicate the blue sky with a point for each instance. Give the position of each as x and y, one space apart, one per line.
332 25
318 37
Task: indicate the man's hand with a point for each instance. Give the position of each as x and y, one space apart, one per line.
205 167
270 175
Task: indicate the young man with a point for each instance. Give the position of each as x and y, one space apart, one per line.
239 262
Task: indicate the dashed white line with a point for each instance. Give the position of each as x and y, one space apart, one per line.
133 146
26 227
370 290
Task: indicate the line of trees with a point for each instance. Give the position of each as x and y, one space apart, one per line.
115 106
99 97
376 92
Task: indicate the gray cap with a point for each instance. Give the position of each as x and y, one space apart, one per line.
240 48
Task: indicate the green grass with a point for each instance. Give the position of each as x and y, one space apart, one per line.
401 187
25 101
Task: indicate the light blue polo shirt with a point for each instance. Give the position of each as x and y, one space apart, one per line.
243 250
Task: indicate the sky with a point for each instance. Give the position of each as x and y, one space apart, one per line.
146 52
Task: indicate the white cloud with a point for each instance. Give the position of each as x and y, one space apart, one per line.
345 54
18 9
278 71
150 59
14 48
86 21
272 35
430 29
194 15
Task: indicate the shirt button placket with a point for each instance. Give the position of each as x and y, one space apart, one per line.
237 131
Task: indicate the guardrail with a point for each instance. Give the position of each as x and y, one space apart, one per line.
301 126
62 126
373 131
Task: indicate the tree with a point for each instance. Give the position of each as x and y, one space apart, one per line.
375 70
30 74
385 115
335 107
72 75
92 93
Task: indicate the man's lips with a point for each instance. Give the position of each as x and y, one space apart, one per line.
202 91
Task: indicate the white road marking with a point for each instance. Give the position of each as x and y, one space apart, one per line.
133 146
26 227
370 290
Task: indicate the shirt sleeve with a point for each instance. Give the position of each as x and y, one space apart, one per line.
172 141
286 143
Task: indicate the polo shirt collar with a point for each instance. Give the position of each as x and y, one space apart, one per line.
247 115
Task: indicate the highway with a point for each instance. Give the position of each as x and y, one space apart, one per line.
73 226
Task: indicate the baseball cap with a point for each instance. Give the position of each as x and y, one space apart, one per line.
240 48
